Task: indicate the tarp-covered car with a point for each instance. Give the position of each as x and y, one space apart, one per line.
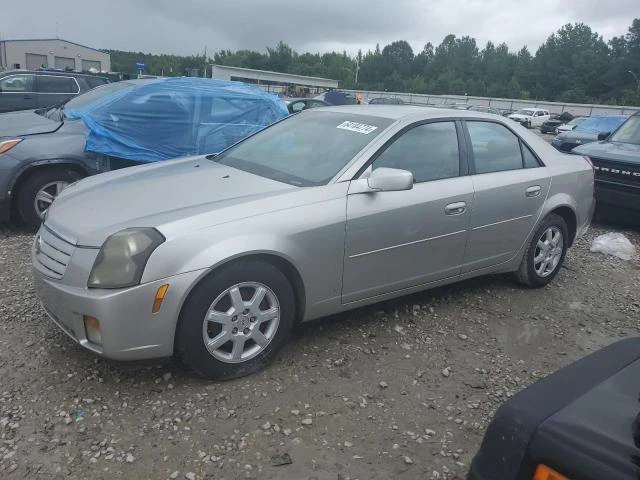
122 124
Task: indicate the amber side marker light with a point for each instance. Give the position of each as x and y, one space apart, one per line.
545 473
92 329
160 294
9 144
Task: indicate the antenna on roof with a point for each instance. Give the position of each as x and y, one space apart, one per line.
57 33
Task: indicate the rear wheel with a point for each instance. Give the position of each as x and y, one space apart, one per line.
545 253
39 191
236 320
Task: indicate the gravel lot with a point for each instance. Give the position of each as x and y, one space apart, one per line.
402 389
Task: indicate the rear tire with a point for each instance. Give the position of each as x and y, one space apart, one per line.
545 253
45 184
212 322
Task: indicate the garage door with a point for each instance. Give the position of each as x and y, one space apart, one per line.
89 64
36 61
65 63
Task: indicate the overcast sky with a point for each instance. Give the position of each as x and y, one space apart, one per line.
188 26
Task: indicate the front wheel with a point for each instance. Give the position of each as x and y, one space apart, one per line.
39 191
545 253
236 320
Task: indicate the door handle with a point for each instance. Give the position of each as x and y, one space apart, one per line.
533 191
457 208
28 97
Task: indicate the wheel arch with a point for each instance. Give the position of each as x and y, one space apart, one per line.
33 168
570 218
284 265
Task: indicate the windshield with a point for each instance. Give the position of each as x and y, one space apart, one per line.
600 123
524 112
629 132
94 94
308 149
577 121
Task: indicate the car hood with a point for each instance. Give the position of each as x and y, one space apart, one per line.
577 137
517 116
601 428
623 152
87 212
18 124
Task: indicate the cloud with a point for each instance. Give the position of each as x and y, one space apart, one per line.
188 26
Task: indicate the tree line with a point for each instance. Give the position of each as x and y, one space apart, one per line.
574 64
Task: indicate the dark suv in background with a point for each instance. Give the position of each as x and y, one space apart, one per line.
29 90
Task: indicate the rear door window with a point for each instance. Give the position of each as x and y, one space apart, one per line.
496 148
56 84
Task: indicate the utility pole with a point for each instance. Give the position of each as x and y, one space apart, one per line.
636 79
357 69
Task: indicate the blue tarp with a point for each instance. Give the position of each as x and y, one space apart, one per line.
159 120
600 123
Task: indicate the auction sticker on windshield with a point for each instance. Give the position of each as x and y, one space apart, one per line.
357 127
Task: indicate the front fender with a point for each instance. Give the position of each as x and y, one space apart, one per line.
26 167
309 237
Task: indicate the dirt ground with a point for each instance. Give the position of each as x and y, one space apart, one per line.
402 389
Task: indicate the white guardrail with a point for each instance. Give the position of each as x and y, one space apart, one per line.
501 103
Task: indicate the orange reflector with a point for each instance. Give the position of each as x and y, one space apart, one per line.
91 322
545 473
160 294
92 329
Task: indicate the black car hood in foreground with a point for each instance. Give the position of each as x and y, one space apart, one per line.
621 152
593 437
26 122
580 421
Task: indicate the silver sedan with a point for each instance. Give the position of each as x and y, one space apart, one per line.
215 259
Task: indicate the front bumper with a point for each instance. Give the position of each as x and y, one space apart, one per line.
618 195
129 330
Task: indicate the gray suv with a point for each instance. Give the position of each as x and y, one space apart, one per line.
28 90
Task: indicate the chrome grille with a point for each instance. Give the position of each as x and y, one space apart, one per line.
52 253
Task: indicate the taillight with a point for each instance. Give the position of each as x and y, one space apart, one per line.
545 473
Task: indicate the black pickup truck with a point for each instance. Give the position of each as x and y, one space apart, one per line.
580 423
616 161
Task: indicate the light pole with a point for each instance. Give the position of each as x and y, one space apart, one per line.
636 79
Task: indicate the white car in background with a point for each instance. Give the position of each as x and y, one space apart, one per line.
530 117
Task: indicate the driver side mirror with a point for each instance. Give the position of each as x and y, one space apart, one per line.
603 135
390 180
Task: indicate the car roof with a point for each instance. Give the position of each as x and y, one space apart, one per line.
50 72
401 112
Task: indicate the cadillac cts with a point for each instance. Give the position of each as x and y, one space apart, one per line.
215 259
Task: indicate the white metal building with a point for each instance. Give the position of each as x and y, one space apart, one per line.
53 53
267 78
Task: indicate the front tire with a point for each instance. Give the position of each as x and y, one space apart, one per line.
38 192
545 253
236 320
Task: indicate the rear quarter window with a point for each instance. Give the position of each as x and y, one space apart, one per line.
93 82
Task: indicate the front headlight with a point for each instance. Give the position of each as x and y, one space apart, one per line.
122 258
